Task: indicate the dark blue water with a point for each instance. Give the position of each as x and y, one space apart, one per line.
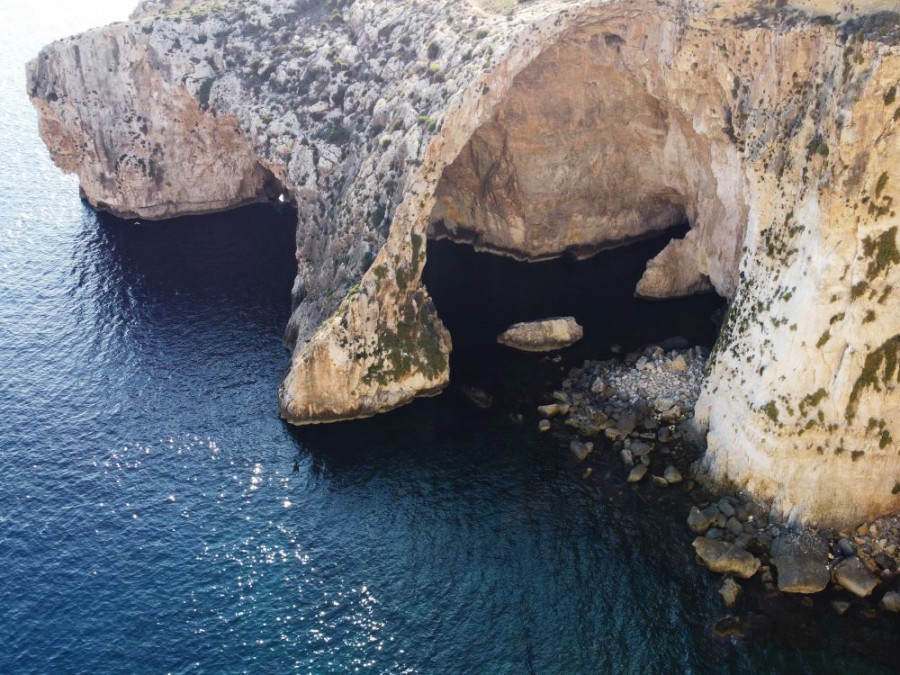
156 516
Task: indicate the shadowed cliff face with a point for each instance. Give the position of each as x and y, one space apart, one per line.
564 127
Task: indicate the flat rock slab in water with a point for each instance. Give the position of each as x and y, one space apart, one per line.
801 559
725 558
542 336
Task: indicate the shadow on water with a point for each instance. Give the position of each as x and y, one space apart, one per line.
454 462
242 255
478 295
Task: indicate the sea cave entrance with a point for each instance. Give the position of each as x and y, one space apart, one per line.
479 294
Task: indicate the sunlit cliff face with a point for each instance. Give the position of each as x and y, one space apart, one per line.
567 128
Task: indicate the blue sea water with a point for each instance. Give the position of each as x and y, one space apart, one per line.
157 516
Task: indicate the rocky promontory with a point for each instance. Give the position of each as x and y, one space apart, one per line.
534 130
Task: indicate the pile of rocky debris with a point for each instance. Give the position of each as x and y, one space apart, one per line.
738 540
639 403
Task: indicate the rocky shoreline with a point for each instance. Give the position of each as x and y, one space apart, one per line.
638 408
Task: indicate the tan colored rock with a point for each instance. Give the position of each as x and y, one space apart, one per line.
730 591
724 558
542 336
169 158
564 127
852 574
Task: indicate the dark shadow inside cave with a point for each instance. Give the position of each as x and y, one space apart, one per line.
478 295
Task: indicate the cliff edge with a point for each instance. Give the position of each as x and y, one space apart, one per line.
534 129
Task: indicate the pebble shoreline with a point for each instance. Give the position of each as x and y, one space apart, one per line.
639 406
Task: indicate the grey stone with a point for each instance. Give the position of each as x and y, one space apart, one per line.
672 475
637 474
581 450
627 457
891 602
666 435
734 526
726 507
852 574
840 607
801 559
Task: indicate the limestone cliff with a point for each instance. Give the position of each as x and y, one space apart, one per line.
534 129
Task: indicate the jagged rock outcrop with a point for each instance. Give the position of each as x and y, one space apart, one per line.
558 127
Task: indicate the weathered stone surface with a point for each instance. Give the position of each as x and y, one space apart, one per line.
698 521
636 475
546 335
891 602
853 575
730 591
724 558
801 559
581 450
672 475
564 127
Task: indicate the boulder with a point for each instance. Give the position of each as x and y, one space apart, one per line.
623 426
672 475
588 422
580 450
724 558
846 547
801 559
840 607
891 602
698 521
730 591
549 410
853 575
666 435
734 526
725 507
636 475
542 336
598 386
678 364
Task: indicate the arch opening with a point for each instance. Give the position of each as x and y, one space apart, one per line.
479 294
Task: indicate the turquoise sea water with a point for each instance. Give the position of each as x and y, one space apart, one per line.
157 516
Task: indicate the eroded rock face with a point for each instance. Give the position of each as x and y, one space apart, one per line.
565 127
163 158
